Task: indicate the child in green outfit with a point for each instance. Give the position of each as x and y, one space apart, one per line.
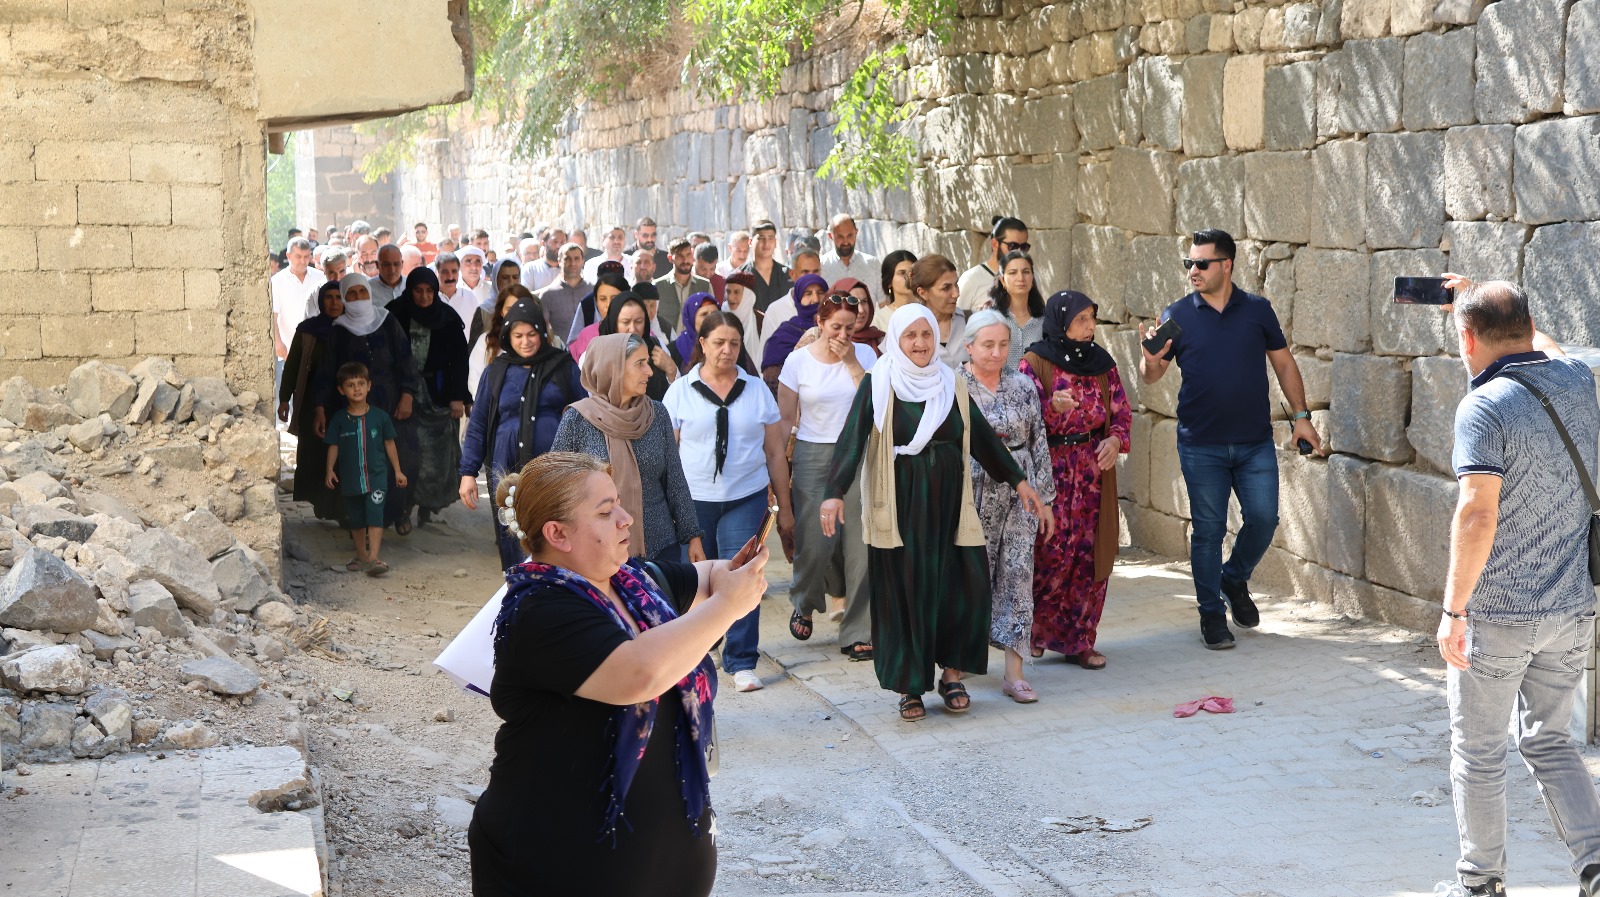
359 469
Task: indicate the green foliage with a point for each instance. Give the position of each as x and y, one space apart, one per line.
536 61
280 196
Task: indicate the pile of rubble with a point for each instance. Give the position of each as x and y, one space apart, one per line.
127 595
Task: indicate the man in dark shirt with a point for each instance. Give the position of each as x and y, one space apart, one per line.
1225 426
772 278
644 241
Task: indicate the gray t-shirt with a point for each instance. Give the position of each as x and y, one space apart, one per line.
1538 566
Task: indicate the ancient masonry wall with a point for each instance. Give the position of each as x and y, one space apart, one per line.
1344 143
329 188
132 190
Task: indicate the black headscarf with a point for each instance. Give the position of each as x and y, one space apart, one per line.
445 368
548 364
320 325
1086 358
405 305
588 309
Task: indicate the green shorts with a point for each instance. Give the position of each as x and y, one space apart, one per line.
363 511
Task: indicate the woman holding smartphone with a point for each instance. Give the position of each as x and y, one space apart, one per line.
731 444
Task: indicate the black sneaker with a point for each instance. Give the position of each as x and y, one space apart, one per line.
1245 615
1589 881
1494 887
1214 629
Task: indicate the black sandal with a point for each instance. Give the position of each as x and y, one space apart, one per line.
857 651
951 691
911 709
402 527
799 626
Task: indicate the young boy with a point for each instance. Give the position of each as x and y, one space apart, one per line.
361 471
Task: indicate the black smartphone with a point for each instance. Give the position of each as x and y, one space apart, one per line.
1422 291
1169 330
757 540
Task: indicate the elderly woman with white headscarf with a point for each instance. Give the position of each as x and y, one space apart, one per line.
914 432
1010 403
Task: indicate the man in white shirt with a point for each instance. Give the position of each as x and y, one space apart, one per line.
463 301
738 253
291 287
545 268
1008 235
843 260
389 283
611 251
472 261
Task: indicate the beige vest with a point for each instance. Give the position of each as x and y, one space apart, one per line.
880 518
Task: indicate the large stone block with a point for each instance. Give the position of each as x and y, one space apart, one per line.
1477 172
41 592
54 668
1458 12
1332 290
1133 468
1408 530
1156 532
1302 505
1405 190
1168 494
1094 191
1437 69
1359 599
1370 398
1561 273
1211 194
1142 187
1438 385
1339 194
1100 266
1277 196
1291 110
1202 105
1582 84
1160 85
1369 75
1155 275
178 566
1520 51
1046 125
1555 162
55 160
96 388
1345 548
1360 19
1244 104
1487 250
1097 111
1407 329
84 248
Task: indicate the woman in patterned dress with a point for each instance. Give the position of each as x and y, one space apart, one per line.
1010 404
1073 377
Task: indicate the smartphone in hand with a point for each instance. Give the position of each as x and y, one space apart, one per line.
1421 291
1169 330
756 541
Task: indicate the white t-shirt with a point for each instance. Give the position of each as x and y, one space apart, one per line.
863 267
744 472
591 268
825 390
538 274
289 298
974 284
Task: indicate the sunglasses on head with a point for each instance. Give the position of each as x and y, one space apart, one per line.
1009 246
1202 264
843 299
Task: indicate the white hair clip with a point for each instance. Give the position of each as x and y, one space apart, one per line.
508 514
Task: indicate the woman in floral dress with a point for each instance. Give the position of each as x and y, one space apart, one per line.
1010 404
1087 417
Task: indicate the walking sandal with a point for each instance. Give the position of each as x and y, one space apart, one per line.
799 626
857 651
911 709
953 692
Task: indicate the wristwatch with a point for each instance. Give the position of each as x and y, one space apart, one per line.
1300 415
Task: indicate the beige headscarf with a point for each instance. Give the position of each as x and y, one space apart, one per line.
604 362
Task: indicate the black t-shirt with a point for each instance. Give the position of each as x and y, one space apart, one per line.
537 827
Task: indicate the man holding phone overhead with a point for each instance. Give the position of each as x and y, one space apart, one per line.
1225 444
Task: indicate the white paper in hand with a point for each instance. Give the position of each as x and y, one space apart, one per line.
469 658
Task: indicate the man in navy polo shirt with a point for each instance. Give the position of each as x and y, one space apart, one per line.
1225 426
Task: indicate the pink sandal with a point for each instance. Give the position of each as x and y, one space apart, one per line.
1019 691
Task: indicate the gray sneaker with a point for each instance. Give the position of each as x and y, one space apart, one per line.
1493 887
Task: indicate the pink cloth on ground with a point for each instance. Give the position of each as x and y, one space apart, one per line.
1212 704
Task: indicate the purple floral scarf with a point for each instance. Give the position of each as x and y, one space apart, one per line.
631 724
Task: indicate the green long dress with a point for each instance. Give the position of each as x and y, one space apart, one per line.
930 597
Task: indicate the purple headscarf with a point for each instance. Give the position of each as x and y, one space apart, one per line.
781 342
688 336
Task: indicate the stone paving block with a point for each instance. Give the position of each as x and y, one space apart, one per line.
1407 329
1561 274
1371 395
1167 491
1437 68
1486 250
1097 110
1370 74
1290 118
1211 194
1339 194
1155 275
1345 548
1160 82
1202 105
1582 73
1553 159
1477 172
1332 292
1100 266
1278 196
1438 385
1408 531
1142 187
1405 190
1244 102
1520 52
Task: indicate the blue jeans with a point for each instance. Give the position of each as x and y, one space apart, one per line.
725 527
1211 472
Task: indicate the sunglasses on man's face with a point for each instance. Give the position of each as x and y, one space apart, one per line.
843 299
1009 246
1202 264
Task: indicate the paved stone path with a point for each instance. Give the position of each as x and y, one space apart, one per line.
1331 779
130 826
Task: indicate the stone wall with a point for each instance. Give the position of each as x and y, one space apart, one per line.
1344 143
329 188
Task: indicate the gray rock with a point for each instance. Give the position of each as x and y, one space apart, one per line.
1552 162
169 402
44 417
1582 84
17 640
56 668
1520 46
103 503
15 396
158 369
1100 266
1142 184
275 615
1487 250
1437 68
454 812
261 500
1291 112
1346 549
1370 398
1477 172
96 388
1405 191
178 455
104 646
1097 111
1277 196
1408 530
1211 194
1561 274
212 397
42 592
158 555
1458 12
1369 75
111 711
144 401
89 742
1339 194
152 606
31 457
86 436
44 484
221 675
44 520
189 736
1332 287
1437 386
1155 275
1202 105
47 729
1160 83
241 585
204 531
1407 329
267 648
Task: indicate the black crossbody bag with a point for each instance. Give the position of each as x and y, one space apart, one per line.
1583 474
